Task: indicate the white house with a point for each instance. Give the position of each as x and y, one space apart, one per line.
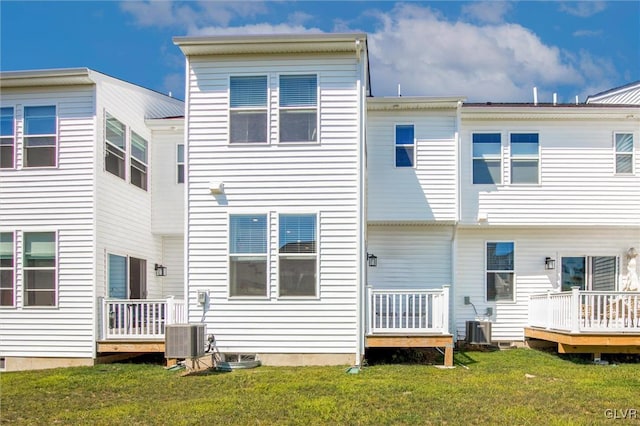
304 220
77 187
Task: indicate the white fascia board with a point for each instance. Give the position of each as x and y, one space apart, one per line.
50 77
413 103
172 123
558 112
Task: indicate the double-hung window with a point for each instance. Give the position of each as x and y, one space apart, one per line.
500 271
298 256
525 158
624 153
39 269
115 146
405 145
40 136
248 109
138 161
7 138
7 269
298 108
248 255
487 158
180 162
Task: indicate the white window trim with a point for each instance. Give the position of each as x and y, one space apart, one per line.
513 271
123 153
317 107
298 212
56 135
266 108
14 268
15 140
179 163
632 153
414 146
528 158
56 268
501 157
242 212
147 173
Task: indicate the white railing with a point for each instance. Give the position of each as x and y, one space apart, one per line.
579 311
139 318
408 311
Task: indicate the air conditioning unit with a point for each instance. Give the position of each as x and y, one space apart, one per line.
478 332
184 341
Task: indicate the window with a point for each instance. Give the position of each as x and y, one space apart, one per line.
7 269
40 136
624 153
405 145
297 255
525 159
500 271
7 138
115 146
298 108
248 255
596 273
248 109
138 161
487 158
39 269
180 163
127 277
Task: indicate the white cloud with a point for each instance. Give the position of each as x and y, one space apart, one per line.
491 12
431 56
583 9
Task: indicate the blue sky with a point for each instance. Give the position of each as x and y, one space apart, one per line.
487 51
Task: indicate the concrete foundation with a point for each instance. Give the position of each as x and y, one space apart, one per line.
296 360
41 363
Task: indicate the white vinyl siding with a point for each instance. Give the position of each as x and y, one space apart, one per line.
624 153
298 98
40 136
7 269
276 178
7 138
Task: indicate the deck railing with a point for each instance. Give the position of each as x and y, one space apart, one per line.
139 318
408 311
579 311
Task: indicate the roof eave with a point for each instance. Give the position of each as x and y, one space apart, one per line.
413 103
52 77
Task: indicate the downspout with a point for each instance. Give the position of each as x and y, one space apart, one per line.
454 235
185 208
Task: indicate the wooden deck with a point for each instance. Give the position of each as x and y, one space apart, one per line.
595 343
414 341
130 346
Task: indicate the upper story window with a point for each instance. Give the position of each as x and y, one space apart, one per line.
500 271
405 145
180 162
138 161
624 153
298 108
7 269
487 158
40 136
7 138
298 255
39 269
525 158
248 255
248 109
115 146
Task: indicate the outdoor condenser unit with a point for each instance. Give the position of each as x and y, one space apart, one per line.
184 341
478 332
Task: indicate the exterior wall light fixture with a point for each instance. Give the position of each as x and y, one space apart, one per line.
372 260
161 271
549 263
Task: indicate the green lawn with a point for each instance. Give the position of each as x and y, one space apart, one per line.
495 389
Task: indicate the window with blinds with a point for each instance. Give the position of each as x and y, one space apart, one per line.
248 109
139 161
500 271
39 269
7 138
298 256
487 158
248 255
298 108
525 158
115 146
40 136
7 269
624 153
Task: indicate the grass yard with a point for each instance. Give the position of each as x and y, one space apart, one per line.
497 388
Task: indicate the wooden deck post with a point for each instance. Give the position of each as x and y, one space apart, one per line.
448 355
445 312
575 309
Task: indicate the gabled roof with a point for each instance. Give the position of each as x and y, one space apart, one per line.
629 94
